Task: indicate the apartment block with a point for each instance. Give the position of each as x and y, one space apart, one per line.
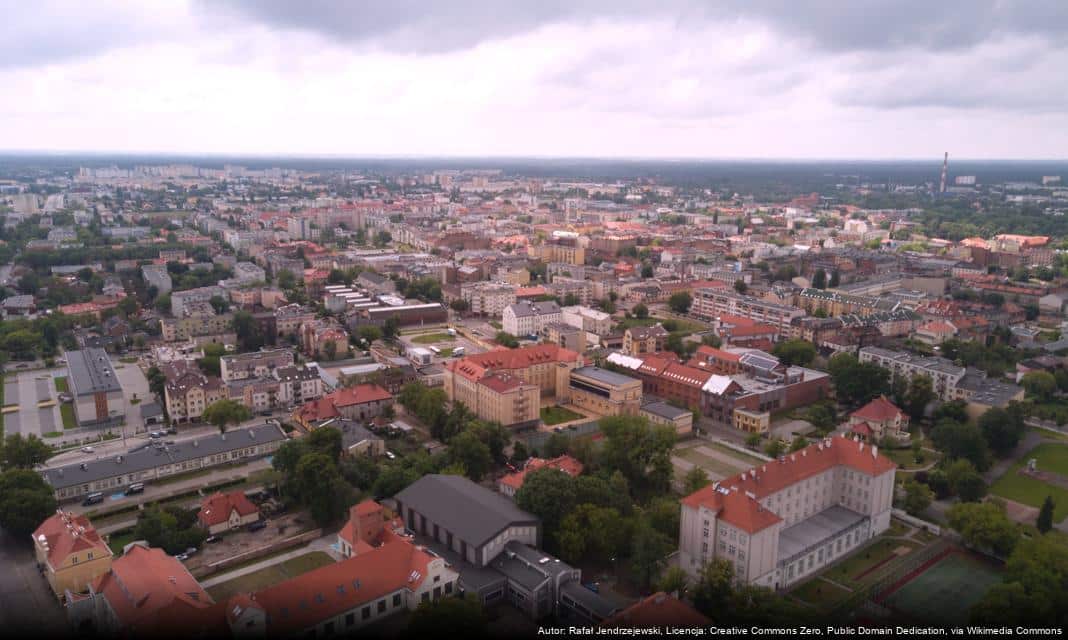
257 364
589 320
529 318
156 275
712 303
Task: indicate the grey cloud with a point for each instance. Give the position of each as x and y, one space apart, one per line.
414 26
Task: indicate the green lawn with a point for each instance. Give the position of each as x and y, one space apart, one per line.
820 593
431 338
906 460
496 325
446 352
53 434
556 415
1013 485
61 385
120 539
273 574
128 360
743 459
66 411
880 553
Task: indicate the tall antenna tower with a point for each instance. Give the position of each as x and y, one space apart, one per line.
945 168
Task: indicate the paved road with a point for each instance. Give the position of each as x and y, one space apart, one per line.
27 605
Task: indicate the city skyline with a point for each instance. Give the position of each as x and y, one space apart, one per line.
581 80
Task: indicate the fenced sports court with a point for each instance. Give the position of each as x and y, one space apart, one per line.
943 589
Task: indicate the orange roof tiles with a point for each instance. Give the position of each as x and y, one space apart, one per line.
658 610
66 533
878 410
325 407
736 499
565 463
476 365
216 508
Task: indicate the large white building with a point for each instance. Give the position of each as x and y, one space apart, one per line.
589 320
487 298
98 397
784 520
529 318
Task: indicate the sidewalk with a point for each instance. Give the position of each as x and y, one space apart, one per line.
319 544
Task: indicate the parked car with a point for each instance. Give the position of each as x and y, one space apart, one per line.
155 435
391 455
190 551
88 449
182 557
137 487
212 539
93 498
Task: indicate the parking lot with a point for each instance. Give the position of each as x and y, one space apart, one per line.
25 390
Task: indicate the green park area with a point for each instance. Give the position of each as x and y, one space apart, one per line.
270 575
1051 458
557 415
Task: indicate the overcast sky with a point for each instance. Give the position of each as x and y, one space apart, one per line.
604 78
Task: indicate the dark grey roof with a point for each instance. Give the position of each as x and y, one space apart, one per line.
528 566
151 410
470 511
604 375
91 372
150 457
593 602
664 410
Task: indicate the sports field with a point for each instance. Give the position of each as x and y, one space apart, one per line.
945 591
1051 458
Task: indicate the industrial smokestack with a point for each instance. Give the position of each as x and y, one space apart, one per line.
945 169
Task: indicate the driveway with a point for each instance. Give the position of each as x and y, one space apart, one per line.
29 607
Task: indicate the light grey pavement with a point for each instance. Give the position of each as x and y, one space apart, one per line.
134 387
27 606
27 389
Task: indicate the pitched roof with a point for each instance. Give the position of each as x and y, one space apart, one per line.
565 463
475 365
658 610
736 499
878 410
326 407
65 533
216 508
470 511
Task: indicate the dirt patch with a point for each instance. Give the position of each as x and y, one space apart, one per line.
1020 512
240 540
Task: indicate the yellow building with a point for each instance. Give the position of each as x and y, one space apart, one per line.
604 392
71 552
554 252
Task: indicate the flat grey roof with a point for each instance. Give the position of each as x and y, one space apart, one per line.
604 375
592 601
664 410
470 511
811 531
91 372
150 457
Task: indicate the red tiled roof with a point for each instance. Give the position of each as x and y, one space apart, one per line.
66 533
565 463
658 610
301 602
501 382
476 365
735 499
325 407
217 507
878 410
719 354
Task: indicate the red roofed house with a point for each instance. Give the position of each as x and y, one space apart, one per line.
879 419
658 610
221 512
935 332
787 519
71 552
358 402
511 483
146 593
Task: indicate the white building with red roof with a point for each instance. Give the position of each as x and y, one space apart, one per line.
71 552
221 512
358 402
783 521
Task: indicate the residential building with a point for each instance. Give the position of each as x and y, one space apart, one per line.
934 333
559 251
199 319
156 275
640 340
513 482
180 299
487 298
783 521
290 317
529 318
98 397
258 364
879 419
589 320
711 303
324 337
359 402
565 335
376 283
188 390
602 392
222 512
113 473
70 552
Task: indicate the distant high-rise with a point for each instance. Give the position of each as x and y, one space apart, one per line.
945 169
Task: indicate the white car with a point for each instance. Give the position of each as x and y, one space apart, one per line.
87 449
391 455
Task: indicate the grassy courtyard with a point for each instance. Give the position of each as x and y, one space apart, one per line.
273 574
820 593
431 338
1051 457
557 415
61 385
868 563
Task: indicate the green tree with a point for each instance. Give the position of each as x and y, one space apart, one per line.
506 339
740 286
249 335
1039 384
462 617
1032 591
959 440
24 452
225 412
795 352
649 549
317 484
835 279
918 497
920 393
680 302
393 479
775 448
472 453
156 381
985 526
641 311
713 587
550 495
640 451
369 333
26 500
694 480
819 280
1044 523
1002 428
855 382
674 581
